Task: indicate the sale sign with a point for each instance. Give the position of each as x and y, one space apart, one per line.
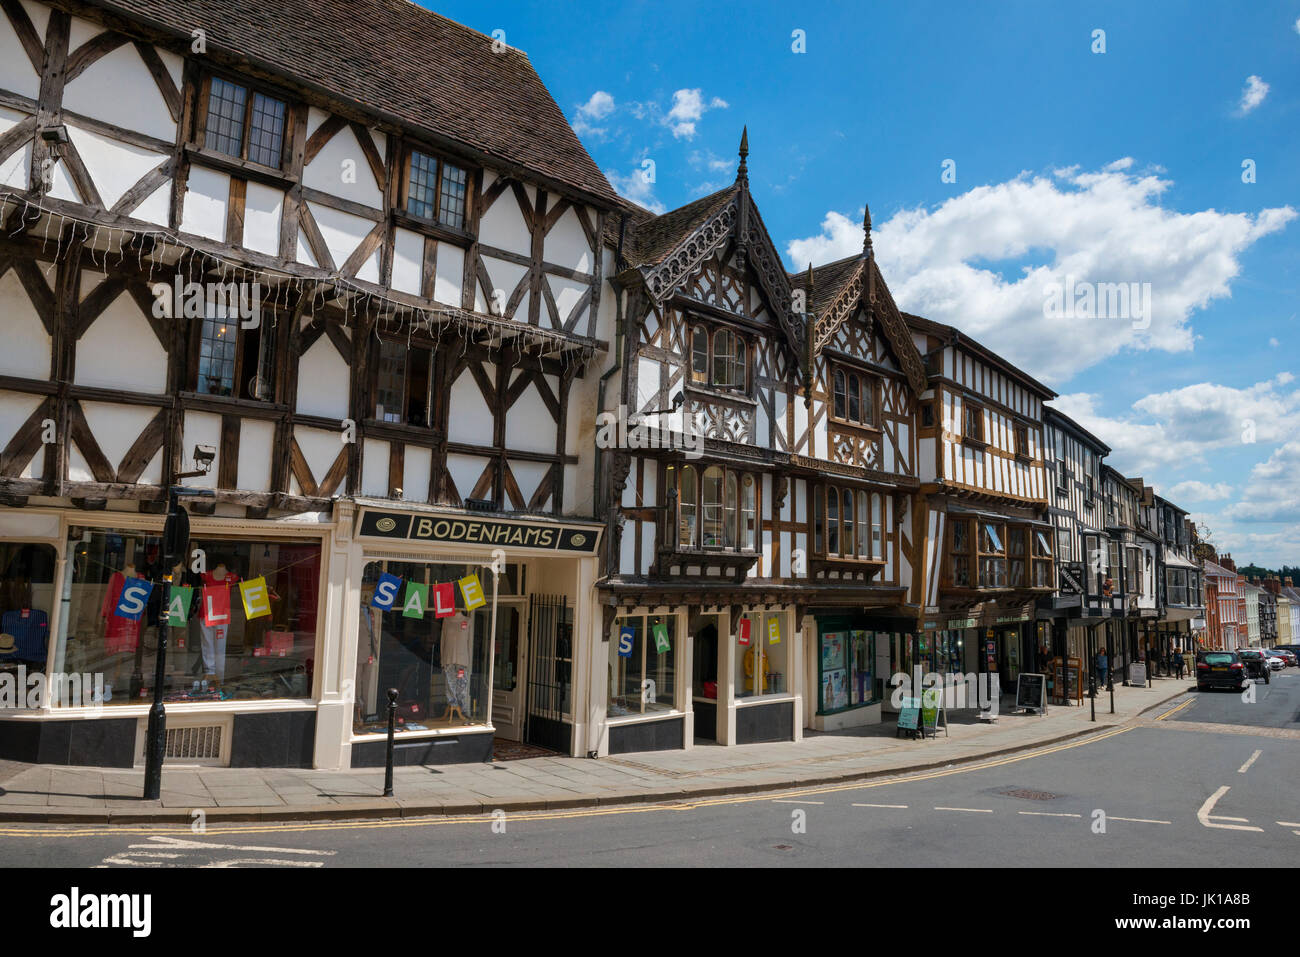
134 598
216 605
744 631
417 600
472 592
385 592
178 605
444 600
257 601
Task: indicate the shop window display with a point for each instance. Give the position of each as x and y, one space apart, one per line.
26 604
761 665
642 665
846 665
225 642
429 644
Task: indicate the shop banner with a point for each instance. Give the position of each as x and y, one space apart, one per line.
257 601
417 600
472 592
216 605
774 631
134 598
178 605
626 638
661 638
744 631
385 592
444 600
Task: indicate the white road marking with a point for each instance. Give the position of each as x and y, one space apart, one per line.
159 848
971 810
1288 823
888 805
1205 817
1137 820
1246 767
780 801
1047 814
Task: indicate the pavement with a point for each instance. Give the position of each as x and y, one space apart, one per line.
65 795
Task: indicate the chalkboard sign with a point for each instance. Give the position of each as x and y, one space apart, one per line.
1031 692
1071 687
931 711
909 716
1137 673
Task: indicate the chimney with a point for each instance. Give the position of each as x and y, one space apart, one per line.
1287 582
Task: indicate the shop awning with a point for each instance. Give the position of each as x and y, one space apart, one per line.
1174 560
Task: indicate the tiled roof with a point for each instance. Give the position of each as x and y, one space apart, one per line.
396 59
650 238
828 281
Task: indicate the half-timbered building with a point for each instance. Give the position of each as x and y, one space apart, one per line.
982 515
754 550
343 261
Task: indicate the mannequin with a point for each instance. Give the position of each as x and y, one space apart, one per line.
455 664
214 636
121 635
368 658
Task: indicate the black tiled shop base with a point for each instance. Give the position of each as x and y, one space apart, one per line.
277 739
667 735
765 722
461 749
102 743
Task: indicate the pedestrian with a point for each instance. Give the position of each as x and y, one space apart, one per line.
1179 665
1103 666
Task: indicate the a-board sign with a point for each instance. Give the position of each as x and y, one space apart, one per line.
909 716
1031 692
932 711
1137 673
1072 687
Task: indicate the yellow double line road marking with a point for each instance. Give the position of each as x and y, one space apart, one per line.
479 819
1179 708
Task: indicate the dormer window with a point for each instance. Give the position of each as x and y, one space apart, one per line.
244 123
719 359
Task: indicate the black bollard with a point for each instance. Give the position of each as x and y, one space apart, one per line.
392 730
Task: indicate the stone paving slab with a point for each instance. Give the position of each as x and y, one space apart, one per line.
95 795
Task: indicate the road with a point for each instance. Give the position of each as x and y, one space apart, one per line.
1209 781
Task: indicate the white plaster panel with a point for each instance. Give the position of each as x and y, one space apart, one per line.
119 89
156 208
116 427
374 468
465 471
256 446
647 544
408 261
339 161
263 210
120 351
13 171
529 425
27 345
417 468
470 420
15 408
566 243
61 185
528 475
571 502
39 14
201 428
323 381
315 117
304 252
627 552
567 292
450 274
114 166
341 231
505 276
81 30
369 270
206 197
647 384
16 70
502 225
320 449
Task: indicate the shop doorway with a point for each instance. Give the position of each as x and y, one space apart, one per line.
509 667
704 676
549 673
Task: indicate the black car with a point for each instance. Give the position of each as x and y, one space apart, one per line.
1220 669
1254 664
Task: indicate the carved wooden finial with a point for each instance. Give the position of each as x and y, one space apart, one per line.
809 339
742 171
866 230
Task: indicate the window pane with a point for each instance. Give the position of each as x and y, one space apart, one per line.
699 355
832 521
846 503
729 515
723 347
224 130
390 387
266 134
451 208
421 193
748 514
817 521
863 551
1016 541
991 538
877 526
839 399
646 680
687 507
217 343
712 503
855 387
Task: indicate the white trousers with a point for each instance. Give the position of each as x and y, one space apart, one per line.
214 650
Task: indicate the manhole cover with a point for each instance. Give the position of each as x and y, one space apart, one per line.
1030 795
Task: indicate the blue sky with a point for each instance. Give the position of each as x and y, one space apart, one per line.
1115 166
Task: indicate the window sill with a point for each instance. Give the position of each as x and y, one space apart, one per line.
974 443
239 166
708 393
853 426
642 718
431 226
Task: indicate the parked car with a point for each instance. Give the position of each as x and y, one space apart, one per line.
1219 669
1285 657
1292 657
1255 664
1294 649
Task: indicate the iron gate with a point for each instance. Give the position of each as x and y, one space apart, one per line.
550 672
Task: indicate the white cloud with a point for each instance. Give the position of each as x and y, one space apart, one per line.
1273 492
1100 227
1182 426
1253 94
688 108
638 187
1273 342
1297 26
591 113
1194 491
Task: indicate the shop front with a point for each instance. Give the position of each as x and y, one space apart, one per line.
991 642
86 599
681 674
851 658
477 622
